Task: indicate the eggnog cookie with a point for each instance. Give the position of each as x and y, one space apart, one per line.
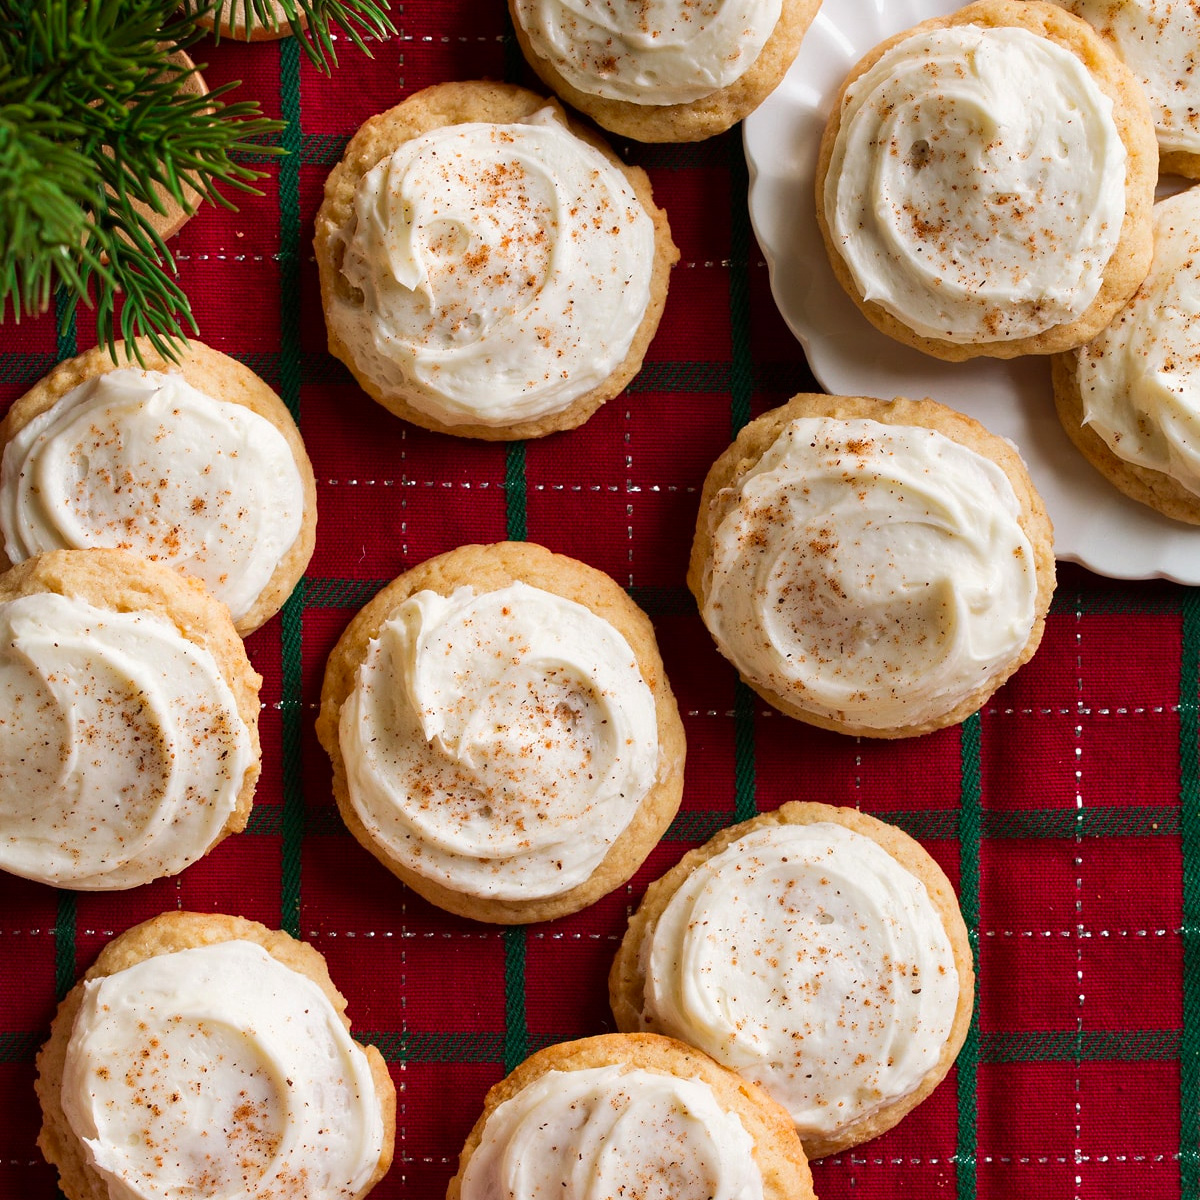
1130 398
985 183
663 70
873 568
1159 40
209 1056
629 1114
197 465
503 736
488 266
129 731
817 951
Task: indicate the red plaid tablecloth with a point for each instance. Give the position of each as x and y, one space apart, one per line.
1066 812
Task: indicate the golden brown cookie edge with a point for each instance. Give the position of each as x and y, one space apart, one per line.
626 983
488 568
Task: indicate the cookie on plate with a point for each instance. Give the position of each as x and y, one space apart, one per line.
502 733
1158 40
629 1114
197 465
663 71
129 744
818 952
873 568
985 182
489 267
175 1065
1130 398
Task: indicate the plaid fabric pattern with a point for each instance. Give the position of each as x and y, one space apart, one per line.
1066 811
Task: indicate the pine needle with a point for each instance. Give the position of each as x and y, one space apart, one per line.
357 19
93 115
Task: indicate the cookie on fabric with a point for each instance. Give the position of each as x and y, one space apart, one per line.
663 71
817 951
129 746
196 464
629 1114
1130 398
875 568
1157 40
502 732
489 267
985 183
207 1055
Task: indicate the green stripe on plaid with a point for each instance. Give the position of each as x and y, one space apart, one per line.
1124 600
1033 1046
745 803
479 1046
19 1047
1189 803
970 833
26 368
682 376
515 492
926 825
1089 1045
66 330
64 943
516 1027
290 375
476 1046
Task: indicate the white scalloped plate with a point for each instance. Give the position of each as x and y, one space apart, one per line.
1093 523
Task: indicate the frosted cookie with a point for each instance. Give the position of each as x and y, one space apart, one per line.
818 952
488 267
197 465
985 183
662 70
209 1056
128 721
874 568
1159 40
1130 398
502 733
629 1115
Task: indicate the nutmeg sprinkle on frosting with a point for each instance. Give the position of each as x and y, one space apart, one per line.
976 188
498 743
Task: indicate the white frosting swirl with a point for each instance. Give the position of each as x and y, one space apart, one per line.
809 960
977 185
122 753
649 51
874 574
613 1131
504 271
1159 40
498 743
143 461
217 1071
1140 378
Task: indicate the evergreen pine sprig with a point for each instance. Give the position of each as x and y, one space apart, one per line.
93 114
354 17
